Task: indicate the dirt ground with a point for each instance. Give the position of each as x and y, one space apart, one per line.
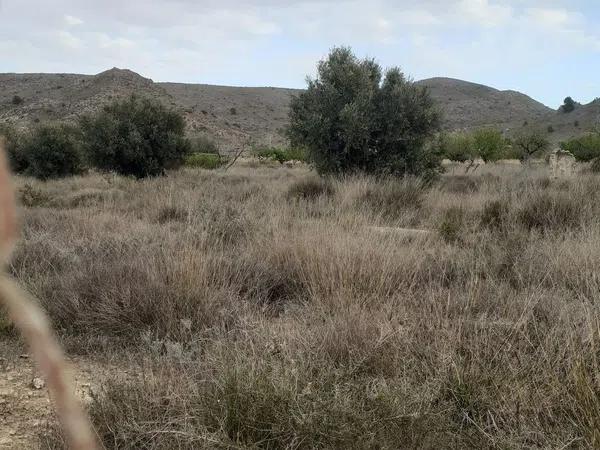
25 406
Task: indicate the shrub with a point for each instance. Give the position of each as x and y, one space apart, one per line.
595 166
16 100
456 146
550 129
204 161
310 188
489 144
568 105
53 151
14 147
138 137
584 148
486 143
271 153
352 118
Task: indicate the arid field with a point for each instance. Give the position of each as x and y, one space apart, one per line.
264 307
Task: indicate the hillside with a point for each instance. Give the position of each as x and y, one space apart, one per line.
469 105
233 116
237 117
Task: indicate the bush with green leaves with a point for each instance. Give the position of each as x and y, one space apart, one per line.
204 161
489 144
135 136
355 118
53 151
14 140
486 143
584 148
456 146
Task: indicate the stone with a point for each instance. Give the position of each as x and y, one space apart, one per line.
38 383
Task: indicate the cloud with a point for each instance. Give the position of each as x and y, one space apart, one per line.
277 43
73 21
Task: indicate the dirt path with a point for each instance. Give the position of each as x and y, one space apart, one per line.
25 407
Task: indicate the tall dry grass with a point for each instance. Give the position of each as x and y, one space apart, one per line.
257 316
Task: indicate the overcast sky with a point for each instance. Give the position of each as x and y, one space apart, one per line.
547 49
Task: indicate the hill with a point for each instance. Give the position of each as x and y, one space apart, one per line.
470 105
237 117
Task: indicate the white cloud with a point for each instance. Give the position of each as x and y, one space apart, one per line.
278 42
73 21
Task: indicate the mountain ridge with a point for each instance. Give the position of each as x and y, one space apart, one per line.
237 117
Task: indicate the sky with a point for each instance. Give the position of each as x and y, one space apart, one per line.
547 49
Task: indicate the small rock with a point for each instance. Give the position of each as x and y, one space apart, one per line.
38 383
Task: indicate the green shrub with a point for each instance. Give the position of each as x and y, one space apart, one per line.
296 154
486 143
354 118
16 100
53 151
272 153
138 137
310 188
584 148
14 140
489 144
208 161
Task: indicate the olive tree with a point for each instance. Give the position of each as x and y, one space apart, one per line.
355 118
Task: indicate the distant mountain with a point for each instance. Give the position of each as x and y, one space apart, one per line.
239 116
470 105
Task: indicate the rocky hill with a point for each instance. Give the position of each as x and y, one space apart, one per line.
470 105
237 117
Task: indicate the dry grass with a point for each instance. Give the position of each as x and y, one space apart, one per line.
260 321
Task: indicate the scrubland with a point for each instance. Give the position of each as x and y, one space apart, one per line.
264 307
